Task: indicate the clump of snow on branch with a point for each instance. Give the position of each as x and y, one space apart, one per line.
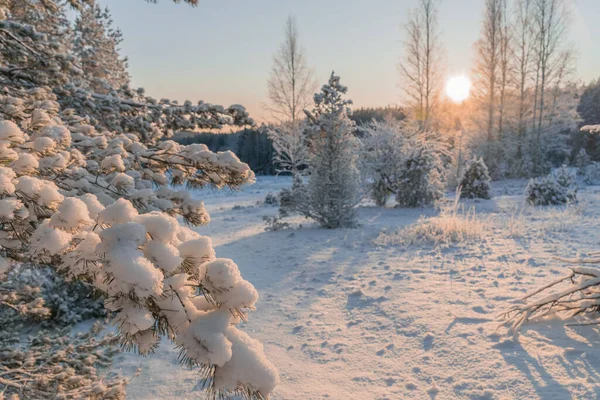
591 128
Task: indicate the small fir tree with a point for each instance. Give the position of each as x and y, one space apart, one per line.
476 182
398 158
332 192
554 189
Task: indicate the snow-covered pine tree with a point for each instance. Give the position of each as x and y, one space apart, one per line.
564 177
290 198
96 45
103 207
332 192
476 182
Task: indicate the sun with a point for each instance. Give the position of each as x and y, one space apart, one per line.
458 88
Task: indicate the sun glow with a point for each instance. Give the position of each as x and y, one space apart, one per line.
458 88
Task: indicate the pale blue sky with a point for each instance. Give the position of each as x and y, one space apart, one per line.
221 51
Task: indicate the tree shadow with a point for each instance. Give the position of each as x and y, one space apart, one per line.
579 357
517 356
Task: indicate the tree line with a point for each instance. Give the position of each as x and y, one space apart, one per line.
526 105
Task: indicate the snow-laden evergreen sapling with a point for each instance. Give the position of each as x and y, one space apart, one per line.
103 207
582 160
287 199
398 158
558 187
332 192
271 199
290 198
421 181
476 182
381 158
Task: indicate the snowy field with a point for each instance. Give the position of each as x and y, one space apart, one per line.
345 318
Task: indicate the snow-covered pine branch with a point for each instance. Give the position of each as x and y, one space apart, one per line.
37 52
58 206
58 365
96 45
104 206
591 128
34 46
130 111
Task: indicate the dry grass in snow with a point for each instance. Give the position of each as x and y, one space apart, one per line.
516 224
454 224
557 219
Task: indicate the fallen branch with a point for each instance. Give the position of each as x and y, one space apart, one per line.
582 297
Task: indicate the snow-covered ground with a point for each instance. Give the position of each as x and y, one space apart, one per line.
343 318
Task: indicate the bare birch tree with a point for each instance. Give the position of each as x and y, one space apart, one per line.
563 69
291 150
504 68
522 58
487 65
292 83
550 19
422 64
